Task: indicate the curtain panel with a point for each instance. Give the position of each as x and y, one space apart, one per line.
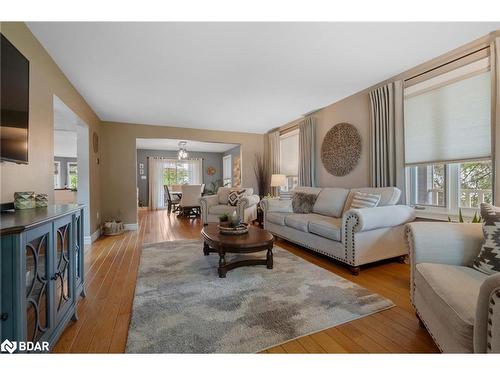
307 152
495 115
156 193
274 157
386 133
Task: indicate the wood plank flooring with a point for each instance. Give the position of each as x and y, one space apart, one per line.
111 266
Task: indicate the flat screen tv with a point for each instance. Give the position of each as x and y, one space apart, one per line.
14 103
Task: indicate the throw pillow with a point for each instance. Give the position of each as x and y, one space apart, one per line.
303 203
235 196
488 260
364 200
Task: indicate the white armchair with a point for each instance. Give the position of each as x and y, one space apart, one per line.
459 306
212 206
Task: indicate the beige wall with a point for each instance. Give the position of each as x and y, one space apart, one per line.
118 167
46 80
356 111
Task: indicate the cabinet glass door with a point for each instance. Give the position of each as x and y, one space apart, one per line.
62 279
36 250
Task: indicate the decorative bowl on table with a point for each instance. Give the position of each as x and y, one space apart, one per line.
239 229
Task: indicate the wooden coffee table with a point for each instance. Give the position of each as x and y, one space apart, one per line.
255 240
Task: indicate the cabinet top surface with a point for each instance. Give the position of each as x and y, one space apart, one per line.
20 220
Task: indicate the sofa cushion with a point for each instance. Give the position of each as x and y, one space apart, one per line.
325 226
389 196
277 217
223 193
488 260
279 205
220 209
330 202
298 221
303 203
451 292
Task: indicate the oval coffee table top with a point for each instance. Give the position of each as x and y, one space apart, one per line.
255 237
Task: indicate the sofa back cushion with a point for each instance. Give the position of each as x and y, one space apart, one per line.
330 202
389 196
223 193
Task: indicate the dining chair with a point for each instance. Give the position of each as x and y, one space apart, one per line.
170 202
190 200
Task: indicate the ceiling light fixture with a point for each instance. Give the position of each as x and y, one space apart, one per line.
182 153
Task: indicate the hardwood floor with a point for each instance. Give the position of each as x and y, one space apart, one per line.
111 265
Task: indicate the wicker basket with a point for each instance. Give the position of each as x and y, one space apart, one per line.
113 228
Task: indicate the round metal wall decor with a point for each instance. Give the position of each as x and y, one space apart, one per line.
341 149
211 171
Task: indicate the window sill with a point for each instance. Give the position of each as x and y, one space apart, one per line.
467 214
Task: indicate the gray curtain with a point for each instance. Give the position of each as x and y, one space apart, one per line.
386 133
274 157
495 86
307 154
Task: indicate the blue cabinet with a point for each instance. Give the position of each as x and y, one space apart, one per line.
41 272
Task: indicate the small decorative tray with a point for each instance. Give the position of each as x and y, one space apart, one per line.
240 229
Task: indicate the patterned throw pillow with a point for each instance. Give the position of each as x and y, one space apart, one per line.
235 196
488 260
303 203
364 200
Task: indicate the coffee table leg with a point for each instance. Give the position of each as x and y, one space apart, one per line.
206 249
269 258
222 263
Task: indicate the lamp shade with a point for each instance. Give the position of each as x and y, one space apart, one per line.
278 180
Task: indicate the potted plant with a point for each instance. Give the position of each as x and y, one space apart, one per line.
224 220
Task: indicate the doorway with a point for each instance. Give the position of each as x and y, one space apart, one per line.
71 160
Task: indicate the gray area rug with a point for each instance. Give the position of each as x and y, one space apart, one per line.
182 306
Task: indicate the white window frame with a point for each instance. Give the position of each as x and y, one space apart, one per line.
68 174
57 177
228 182
452 197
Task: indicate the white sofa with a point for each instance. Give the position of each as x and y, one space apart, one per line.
212 206
459 306
352 236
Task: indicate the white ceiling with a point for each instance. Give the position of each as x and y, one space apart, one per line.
173 145
248 77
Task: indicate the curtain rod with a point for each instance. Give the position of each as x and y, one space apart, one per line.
446 63
171 158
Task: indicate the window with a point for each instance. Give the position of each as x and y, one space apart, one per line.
289 159
226 171
180 172
57 175
72 182
448 140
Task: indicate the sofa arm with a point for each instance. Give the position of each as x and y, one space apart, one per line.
445 243
365 219
205 202
248 201
487 322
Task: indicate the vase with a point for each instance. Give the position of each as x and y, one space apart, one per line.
41 200
24 200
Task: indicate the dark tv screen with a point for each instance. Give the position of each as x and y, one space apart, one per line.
14 103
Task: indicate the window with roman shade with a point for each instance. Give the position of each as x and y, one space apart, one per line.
447 134
289 158
448 117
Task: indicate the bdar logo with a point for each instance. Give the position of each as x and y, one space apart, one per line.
8 346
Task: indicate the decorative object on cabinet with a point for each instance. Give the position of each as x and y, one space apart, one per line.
42 272
41 200
24 200
341 149
211 171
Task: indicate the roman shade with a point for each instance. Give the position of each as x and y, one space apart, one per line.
448 118
289 153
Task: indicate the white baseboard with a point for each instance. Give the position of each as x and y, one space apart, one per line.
132 226
87 240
